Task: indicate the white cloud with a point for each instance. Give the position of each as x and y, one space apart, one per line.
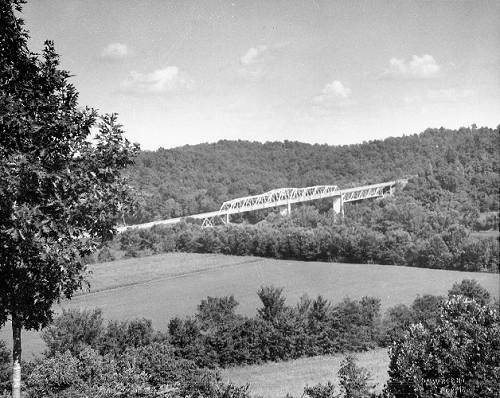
253 55
334 93
423 67
158 81
115 51
253 66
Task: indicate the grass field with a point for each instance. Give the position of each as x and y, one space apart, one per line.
161 287
275 380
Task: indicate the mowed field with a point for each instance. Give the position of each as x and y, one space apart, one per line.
161 287
276 379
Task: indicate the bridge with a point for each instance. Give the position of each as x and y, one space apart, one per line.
283 197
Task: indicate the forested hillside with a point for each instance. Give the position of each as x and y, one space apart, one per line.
192 179
430 222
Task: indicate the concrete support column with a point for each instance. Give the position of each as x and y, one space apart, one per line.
338 205
227 219
286 211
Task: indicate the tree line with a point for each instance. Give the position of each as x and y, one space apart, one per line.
399 230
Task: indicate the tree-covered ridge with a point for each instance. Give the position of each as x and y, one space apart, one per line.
192 179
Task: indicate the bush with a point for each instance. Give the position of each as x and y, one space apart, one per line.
457 356
354 380
86 374
470 288
73 330
119 336
158 362
320 391
5 369
147 371
218 336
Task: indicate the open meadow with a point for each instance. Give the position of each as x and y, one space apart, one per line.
163 286
276 379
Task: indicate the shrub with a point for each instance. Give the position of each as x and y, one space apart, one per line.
273 303
457 356
216 310
73 330
4 367
88 374
472 289
118 336
396 320
158 362
218 336
354 380
320 391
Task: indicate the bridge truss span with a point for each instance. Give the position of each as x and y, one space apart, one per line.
368 191
278 197
285 197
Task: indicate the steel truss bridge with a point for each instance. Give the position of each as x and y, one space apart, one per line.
284 197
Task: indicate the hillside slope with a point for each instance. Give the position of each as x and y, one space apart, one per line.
192 179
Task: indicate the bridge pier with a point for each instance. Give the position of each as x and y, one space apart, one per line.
227 219
338 205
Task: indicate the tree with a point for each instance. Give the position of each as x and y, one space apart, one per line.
472 289
215 311
61 188
455 357
354 379
73 330
273 303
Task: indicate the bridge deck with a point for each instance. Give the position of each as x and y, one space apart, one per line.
280 197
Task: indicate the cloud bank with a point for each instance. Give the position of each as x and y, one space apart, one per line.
157 82
115 51
419 67
334 93
253 55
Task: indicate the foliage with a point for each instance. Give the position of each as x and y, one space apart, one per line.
120 336
375 233
354 380
470 288
455 356
273 303
193 179
216 335
428 223
321 391
216 310
61 190
73 330
147 371
4 367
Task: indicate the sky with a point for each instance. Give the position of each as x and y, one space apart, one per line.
335 72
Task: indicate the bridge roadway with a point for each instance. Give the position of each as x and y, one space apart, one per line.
283 197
